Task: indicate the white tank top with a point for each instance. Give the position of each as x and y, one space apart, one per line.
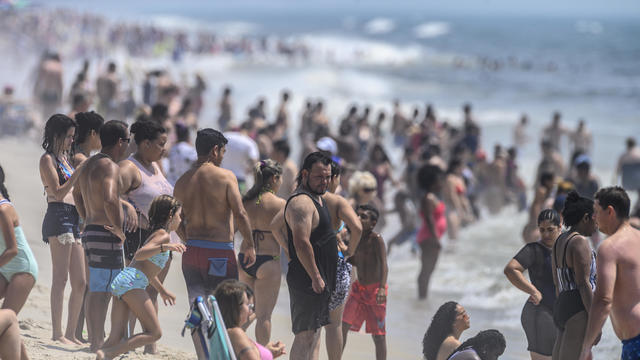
151 186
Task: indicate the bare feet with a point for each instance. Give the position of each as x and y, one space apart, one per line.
151 349
75 341
64 340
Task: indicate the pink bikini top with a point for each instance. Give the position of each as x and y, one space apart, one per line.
265 354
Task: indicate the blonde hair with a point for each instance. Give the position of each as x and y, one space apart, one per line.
361 180
263 172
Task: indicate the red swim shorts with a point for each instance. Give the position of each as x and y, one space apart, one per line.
361 305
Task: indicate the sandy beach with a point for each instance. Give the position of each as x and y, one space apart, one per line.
19 158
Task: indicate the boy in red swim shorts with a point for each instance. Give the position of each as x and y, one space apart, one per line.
368 297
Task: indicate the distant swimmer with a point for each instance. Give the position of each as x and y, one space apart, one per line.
629 166
226 107
581 139
555 131
535 258
107 87
443 335
520 134
618 290
48 87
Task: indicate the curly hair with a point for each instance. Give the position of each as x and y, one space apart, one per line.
441 327
487 341
575 208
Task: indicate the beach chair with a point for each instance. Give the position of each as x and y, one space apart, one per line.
205 318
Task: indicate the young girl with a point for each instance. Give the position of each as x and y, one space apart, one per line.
129 285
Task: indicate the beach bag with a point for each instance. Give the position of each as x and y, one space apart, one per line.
205 318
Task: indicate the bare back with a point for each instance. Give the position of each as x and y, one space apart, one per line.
96 180
623 248
261 214
204 192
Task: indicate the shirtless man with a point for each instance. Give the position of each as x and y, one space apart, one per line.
313 250
97 198
627 163
48 87
368 297
618 290
210 202
107 91
555 131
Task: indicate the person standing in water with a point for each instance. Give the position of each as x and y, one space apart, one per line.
618 275
574 274
537 314
434 224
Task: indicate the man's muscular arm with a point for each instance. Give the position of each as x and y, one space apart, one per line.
351 219
241 219
299 215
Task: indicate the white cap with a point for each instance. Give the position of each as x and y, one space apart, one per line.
327 144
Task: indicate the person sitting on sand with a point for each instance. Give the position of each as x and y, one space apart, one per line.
128 287
487 345
232 299
368 297
443 335
11 345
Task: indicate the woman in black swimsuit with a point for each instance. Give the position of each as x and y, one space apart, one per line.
265 274
537 314
574 274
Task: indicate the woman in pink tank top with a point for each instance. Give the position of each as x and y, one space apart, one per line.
142 181
434 224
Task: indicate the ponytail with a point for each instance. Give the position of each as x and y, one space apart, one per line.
263 172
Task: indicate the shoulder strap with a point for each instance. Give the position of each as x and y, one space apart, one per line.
566 245
5 201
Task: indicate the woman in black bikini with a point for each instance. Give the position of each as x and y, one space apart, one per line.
574 274
60 225
264 275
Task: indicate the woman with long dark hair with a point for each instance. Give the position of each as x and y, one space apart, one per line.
60 227
443 335
487 345
574 274
262 205
434 224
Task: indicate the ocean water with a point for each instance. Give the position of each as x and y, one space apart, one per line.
506 66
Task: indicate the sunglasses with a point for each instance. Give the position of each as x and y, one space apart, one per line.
127 140
369 190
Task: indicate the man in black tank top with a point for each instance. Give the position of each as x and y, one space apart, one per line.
314 256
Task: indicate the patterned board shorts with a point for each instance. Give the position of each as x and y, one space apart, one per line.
343 282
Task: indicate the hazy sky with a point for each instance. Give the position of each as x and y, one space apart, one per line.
581 8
